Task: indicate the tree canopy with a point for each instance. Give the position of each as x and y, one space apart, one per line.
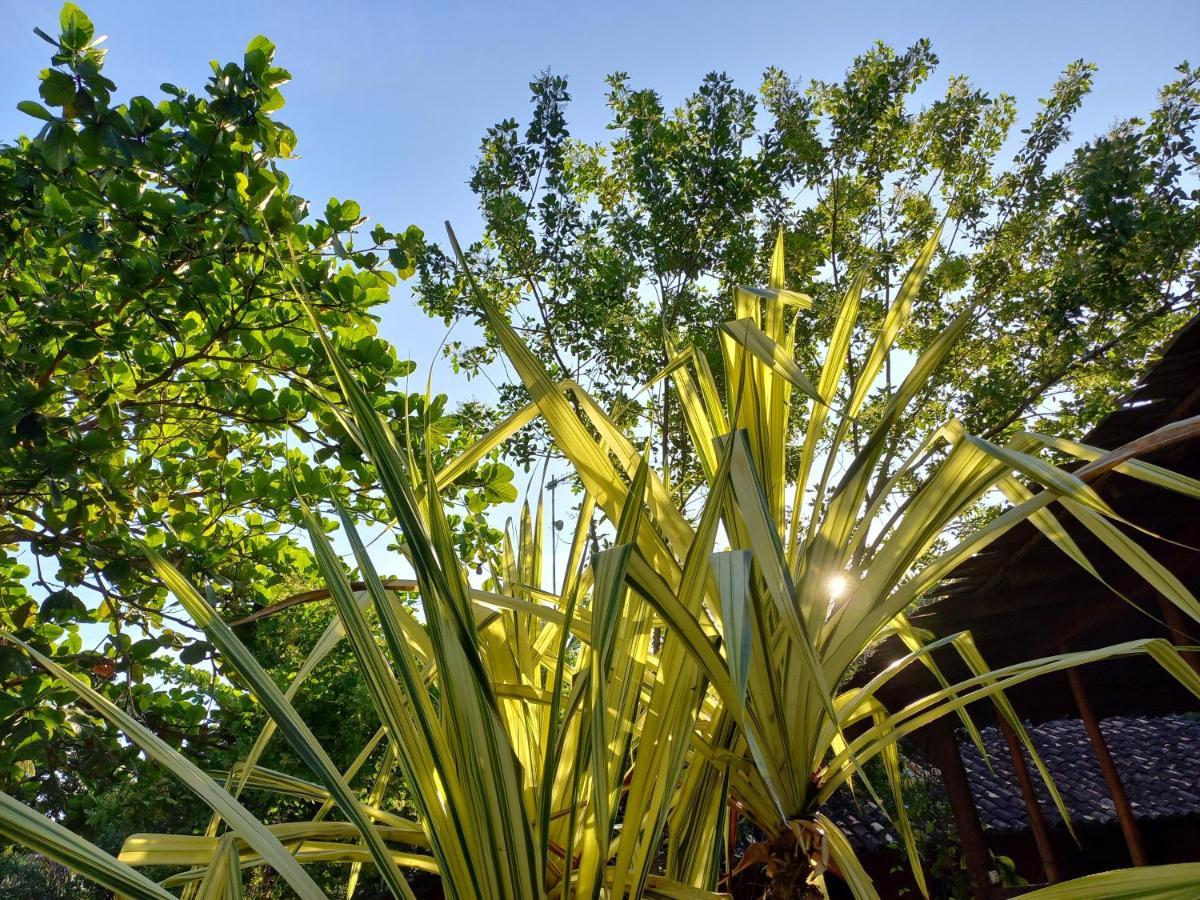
166 396
158 381
1081 256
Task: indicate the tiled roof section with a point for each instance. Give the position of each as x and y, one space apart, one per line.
863 822
1159 762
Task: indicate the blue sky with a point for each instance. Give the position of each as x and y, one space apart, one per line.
390 99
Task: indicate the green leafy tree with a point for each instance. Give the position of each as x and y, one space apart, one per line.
1084 255
25 874
159 384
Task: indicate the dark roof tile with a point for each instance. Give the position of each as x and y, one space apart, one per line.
1159 762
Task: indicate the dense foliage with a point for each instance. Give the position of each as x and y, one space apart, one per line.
1084 254
191 373
590 742
158 383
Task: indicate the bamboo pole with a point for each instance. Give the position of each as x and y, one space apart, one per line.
948 759
1037 819
1129 827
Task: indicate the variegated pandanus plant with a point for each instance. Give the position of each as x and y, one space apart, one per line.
818 569
587 742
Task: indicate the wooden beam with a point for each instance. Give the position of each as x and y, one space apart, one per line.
1037 819
944 749
1129 827
1096 472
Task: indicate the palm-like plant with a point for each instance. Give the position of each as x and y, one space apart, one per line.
807 587
510 713
550 745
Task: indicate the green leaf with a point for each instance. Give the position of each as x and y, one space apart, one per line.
195 652
61 606
403 263
30 828
1170 882
774 356
843 856
57 88
732 571
56 144
30 108
55 204
263 45
77 28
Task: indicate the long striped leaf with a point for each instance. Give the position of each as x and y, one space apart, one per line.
29 828
239 818
298 734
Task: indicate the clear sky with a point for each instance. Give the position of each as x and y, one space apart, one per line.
390 99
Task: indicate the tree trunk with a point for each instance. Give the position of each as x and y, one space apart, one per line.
788 867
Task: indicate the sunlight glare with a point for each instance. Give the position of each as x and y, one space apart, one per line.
837 586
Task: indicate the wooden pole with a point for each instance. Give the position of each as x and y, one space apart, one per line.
1037 820
944 747
1129 827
